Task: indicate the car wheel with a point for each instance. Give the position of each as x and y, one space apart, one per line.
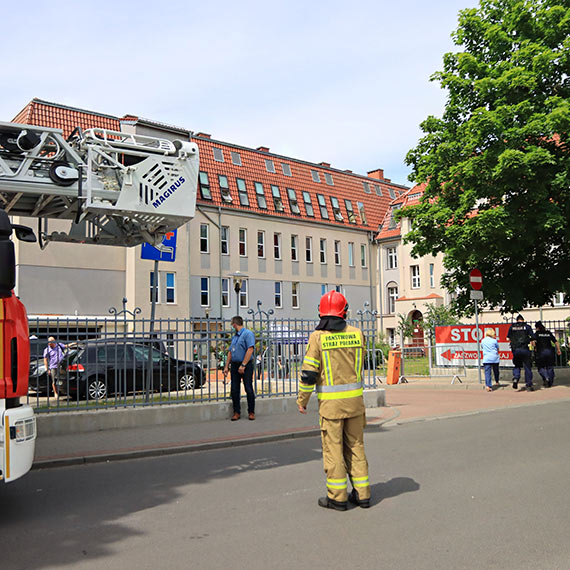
187 382
96 389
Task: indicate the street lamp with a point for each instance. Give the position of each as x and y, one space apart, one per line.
238 278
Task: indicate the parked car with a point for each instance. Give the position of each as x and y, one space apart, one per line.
104 367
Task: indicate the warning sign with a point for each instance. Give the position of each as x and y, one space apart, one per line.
454 343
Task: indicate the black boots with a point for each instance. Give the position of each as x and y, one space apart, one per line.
353 498
327 503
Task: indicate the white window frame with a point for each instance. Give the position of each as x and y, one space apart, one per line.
243 294
337 256
204 238
391 258
242 231
309 249
323 250
269 166
415 276
363 256
278 296
294 247
261 244
295 287
277 246
432 275
161 288
392 296
226 292
286 168
225 240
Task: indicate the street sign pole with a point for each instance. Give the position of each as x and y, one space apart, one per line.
476 282
151 331
478 342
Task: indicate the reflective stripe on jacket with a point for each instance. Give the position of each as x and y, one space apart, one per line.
337 357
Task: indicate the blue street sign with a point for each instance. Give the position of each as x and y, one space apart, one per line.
166 251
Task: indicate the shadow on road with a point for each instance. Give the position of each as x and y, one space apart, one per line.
56 518
393 488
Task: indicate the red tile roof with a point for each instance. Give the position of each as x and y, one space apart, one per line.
253 169
408 198
46 114
346 185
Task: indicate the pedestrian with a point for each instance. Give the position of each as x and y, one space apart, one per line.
240 363
333 367
491 358
520 336
545 342
53 355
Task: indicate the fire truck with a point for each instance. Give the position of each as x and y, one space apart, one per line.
106 187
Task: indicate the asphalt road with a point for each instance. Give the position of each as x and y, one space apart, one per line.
488 491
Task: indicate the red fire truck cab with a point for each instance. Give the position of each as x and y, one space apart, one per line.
18 424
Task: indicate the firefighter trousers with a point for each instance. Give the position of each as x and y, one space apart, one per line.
344 457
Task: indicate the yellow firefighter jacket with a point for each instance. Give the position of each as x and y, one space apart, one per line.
337 358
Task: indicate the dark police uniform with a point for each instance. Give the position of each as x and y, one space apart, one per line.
520 335
545 342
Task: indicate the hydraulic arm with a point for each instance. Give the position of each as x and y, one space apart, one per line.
115 188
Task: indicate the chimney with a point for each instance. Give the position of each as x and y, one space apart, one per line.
325 164
263 148
349 171
203 135
378 174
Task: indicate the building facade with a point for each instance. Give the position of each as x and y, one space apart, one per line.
287 230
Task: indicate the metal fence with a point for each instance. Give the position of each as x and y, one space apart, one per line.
125 360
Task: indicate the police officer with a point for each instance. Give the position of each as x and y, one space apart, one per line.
333 367
544 350
520 336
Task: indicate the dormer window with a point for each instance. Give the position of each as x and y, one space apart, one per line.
277 201
286 169
224 188
350 212
205 186
260 194
362 212
218 154
378 190
236 158
269 166
328 178
308 204
366 187
315 176
293 204
242 192
336 209
323 207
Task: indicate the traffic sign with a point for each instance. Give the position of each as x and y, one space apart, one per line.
476 295
475 279
166 251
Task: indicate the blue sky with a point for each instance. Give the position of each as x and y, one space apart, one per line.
341 82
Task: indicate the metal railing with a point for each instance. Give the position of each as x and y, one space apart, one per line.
125 360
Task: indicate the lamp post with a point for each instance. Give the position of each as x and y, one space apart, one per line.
238 278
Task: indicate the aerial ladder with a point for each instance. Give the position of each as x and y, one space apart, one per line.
114 188
108 188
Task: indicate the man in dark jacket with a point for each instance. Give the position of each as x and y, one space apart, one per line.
520 336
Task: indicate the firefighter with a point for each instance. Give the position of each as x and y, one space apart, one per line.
333 367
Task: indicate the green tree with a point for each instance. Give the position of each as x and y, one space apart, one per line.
438 315
497 164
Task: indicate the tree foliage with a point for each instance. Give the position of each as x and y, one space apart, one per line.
497 163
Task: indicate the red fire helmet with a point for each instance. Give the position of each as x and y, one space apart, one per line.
333 304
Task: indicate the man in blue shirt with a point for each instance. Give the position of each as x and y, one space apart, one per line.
240 362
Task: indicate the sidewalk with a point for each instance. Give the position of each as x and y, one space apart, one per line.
404 403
